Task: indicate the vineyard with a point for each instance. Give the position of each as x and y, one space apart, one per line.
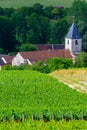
38 96
40 125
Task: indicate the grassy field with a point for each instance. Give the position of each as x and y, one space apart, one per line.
20 3
75 78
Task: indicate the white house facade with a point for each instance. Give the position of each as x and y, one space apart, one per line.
18 60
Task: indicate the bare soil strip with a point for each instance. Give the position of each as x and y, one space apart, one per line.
74 78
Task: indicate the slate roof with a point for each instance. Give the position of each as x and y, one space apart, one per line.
2 55
34 56
49 46
73 32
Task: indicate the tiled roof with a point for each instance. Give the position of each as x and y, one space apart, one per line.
34 56
73 32
43 46
8 59
1 62
2 55
50 46
58 46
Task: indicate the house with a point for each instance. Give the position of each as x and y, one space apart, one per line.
1 63
34 56
73 46
7 59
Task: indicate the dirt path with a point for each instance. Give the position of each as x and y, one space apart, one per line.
78 87
75 79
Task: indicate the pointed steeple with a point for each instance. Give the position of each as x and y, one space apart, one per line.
73 32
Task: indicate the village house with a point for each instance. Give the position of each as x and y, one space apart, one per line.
33 56
72 47
5 60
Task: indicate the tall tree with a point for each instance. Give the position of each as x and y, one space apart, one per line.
7 34
38 8
39 29
58 32
20 24
81 60
78 9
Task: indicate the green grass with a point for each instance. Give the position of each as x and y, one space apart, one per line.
20 3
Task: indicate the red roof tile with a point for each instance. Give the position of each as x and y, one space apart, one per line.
34 56
8 59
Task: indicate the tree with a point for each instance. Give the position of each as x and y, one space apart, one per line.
38 66
58 13
1 11
7 34
26 47
58 63
38 8
9 11
21 26
39 29
78 9
81 60
2 51
48 12
84 45
58 32
82 27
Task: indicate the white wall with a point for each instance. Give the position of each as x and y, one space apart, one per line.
70 44
18 60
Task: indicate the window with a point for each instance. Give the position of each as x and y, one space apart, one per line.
76 42
67 41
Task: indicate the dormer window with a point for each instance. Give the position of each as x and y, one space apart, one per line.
76 42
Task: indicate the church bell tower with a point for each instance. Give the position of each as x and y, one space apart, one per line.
73 40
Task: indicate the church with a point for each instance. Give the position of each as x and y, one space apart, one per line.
73 40
72 47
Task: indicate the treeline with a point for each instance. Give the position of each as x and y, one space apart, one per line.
21 29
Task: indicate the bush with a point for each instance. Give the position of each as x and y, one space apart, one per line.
81 60
6 67
27 47
58 63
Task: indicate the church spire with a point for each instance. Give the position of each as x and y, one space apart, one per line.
73 32
73 40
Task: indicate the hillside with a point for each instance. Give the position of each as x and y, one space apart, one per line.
20 3
74 78
29 92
